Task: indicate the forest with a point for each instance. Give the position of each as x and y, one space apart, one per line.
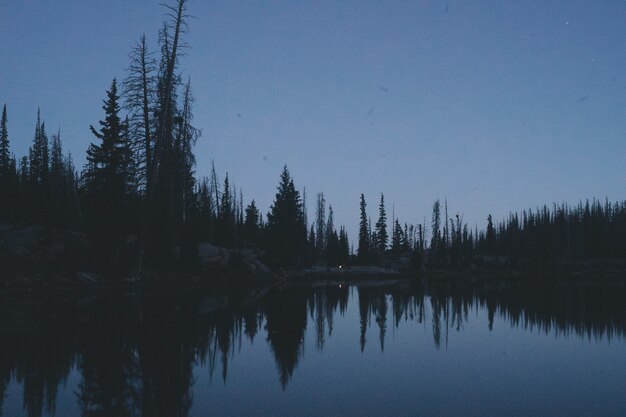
141 204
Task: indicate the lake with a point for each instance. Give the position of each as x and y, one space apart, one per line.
525 348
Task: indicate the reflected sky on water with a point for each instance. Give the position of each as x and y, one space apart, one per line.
517 349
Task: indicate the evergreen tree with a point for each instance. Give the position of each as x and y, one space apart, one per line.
57 203
397 238
226 218
251 223
344 246
8 173
105 180
321 234
37 190
5 155
363 251
286 244
490 236
435 241
331 239
381 228
39 155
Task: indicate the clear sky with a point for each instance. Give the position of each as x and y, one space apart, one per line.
496 105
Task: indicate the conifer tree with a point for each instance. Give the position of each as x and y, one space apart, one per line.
490 236
435 241
344 246
397 237
251 223
106 180
37 189
321 234
382 237
5 155
363 251
226 218
8 173
286 244
57 202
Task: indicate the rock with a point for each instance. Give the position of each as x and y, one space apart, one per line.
212 256
25 237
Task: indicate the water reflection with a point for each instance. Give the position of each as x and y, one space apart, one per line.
136 354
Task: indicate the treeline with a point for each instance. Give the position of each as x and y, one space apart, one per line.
589 230
140 202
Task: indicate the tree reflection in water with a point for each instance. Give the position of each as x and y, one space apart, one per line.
136 353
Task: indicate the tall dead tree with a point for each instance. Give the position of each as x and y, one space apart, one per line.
159 220
139 97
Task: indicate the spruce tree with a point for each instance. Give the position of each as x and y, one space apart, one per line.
397 237
490 236
363 251
382 237
105 180
286 246
8 174
321 234
435 241
344 246
37 190
226 218
5 155
251 223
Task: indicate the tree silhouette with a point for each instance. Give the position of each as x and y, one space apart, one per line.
363 251
106 180
286 228
8 173
381 228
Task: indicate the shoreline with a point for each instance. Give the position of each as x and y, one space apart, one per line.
182 281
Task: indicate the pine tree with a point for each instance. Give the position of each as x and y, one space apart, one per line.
251 223
226 218
397 237
106 184
57 209
321 234
382 237
5 155
8 173
344 246
435 241
285 224
363 251
37 190
490 236
331 239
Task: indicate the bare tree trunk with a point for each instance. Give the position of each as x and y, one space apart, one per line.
168 79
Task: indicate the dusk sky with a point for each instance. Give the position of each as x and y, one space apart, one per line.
496 105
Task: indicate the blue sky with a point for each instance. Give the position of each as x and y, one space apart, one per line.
496 105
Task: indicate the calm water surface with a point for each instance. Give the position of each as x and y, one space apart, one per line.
336 350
